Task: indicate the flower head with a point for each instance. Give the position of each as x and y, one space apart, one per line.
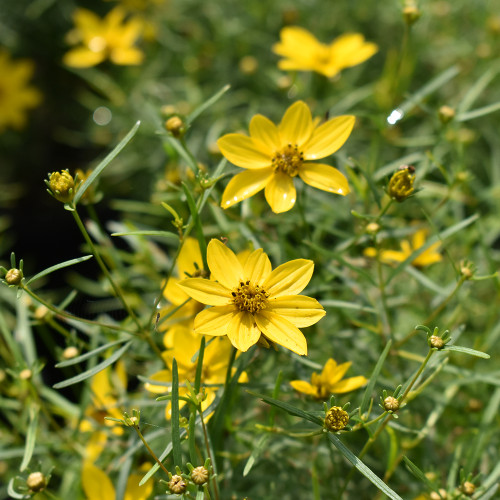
401 183
274 155
336 419
16 95
302 51
61 185
329 382
426 258
250 300
108 38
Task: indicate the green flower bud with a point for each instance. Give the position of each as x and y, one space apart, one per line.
36 481
336 419
14 276
62 186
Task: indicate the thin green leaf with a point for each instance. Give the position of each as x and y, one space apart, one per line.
104 163
197 225
163 234
30 438
199 366
476 90
342 304
96 369
87 355
67 263
419 475
373 378
292 410
349 455
209 102
13 493
476 113
466 350
176 439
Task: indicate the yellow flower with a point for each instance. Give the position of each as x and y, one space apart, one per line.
16 95
251 300
302 51
98 486
183 345
426 258
329 382
274 155
107 38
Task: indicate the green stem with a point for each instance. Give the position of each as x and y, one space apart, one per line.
209 451
151 452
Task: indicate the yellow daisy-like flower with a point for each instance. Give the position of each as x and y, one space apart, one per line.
302 51
98 486
108 38
251 299
330 381
16 95
274 155
426 258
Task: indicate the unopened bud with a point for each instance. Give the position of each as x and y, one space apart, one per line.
62 186
25 374
14 276
468 488
446 114
70 352
411 13
175 126
36 481
436 342
199 475
177 485
336 419
391 404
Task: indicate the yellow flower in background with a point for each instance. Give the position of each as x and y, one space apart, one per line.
274 155
426 258
251 300
184 344
16 95
330 381
108 38
98 486
302 51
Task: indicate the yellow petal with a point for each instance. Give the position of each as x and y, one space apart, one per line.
266 133
190 259
300 310
214 321
136 492
244 185
96 484
324 177
329 137
257 267
174 293
418 239
206 291
290 278
280 192
389 256
351 49
243 151
348 385
242 331
161 376
335 373
81 57
224 265
282 332
126 56
296 125
304 387
86 20
295 42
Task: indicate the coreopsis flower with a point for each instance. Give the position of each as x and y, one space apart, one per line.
251 300
98 486
426 258
274 155
16 95
110 38
182 345
302 51
329 381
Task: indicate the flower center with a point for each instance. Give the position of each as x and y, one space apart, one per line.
288 160
249 298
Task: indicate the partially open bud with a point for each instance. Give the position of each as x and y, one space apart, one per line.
62 186
36 481
14 276
177 485
199 475
336 419
391 404
401 183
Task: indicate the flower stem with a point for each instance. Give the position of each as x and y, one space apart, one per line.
151 452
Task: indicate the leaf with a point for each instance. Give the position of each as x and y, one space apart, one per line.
466 350
104 163
30 438
87 355
419 474
96 369
209 102
349 455
163 234
476 113
67 263
176 438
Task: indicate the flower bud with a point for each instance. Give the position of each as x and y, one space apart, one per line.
336 419
436 342
25 374
36 481
411 13
62 186
442 495
177 485
70 352
199 475
401 183
175 126
391 404
446 114
468 488
14 276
